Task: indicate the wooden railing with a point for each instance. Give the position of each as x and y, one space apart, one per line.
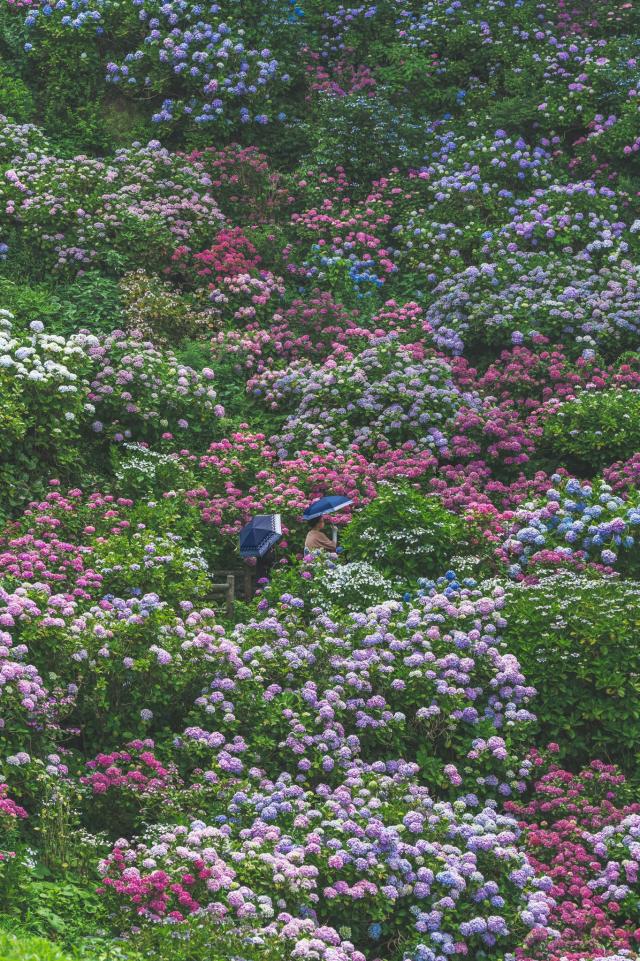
227 588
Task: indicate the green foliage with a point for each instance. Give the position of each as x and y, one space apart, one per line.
91 301
117 690
577 640
26 947
61 909
16 100
35 440
192 941
285 580
204 938
365 135
405 534
159 312
29 302
139 471
594 429
147 560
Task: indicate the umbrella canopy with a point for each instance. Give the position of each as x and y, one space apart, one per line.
261 534
326 505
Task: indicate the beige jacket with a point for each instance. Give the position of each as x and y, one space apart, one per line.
317 541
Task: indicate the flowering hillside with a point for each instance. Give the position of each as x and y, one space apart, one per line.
258 252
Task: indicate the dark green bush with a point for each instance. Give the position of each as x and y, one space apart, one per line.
25 947
588 433
365 135
405 534
578 642
16 100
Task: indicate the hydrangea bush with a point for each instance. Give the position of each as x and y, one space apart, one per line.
417 862
253 254
384 393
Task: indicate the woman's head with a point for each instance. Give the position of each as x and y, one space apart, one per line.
316 524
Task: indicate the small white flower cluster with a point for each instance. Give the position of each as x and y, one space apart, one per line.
356 586
42 358
141 461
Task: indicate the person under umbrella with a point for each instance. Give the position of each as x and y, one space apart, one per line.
316 539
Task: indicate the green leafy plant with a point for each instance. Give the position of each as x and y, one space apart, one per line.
594 429
16 100
26 947
158 311
367 134
405 534
577 642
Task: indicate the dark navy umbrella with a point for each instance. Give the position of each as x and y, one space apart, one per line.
261 534
326 505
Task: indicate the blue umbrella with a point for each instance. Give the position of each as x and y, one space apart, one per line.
261 534
326 505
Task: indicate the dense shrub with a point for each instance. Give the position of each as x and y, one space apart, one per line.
26 947
405 534
367 134
593 429
43 405
576 638
153 309
16 98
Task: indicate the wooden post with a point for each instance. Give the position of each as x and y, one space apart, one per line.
231 592
228 589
